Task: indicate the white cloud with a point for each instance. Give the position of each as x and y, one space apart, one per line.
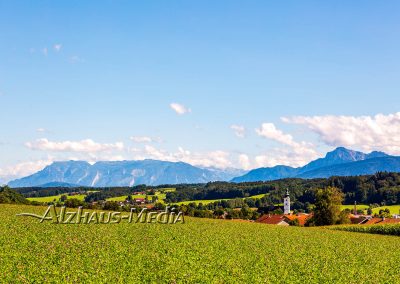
145 139
295 153
22 169
41 130
179 108
268 130
239 130
57 47
294 157
380 132
45 51
244 161
219 159
85 146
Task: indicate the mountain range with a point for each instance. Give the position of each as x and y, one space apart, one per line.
122 173
339 162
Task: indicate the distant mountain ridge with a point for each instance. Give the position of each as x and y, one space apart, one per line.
339 162
123 173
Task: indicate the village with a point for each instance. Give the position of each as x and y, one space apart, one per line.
356 217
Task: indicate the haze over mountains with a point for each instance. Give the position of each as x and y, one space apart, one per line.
340 162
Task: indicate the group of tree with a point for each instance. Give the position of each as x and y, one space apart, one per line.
382 188
7 195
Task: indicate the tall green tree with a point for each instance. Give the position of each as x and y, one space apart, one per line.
327 206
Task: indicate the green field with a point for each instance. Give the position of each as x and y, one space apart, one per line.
199 251
351 207
205 202
123 198
394 209
161 197
57 197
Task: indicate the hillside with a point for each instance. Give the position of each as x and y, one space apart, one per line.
10 196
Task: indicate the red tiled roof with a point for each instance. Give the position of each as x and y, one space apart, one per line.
390 221
271 219
373 221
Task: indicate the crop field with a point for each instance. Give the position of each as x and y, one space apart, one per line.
199 251
385 229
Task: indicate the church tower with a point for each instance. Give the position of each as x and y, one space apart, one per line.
286 203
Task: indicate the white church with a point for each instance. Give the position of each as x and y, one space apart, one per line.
286 203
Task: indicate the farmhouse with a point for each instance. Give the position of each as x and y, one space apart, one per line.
140 200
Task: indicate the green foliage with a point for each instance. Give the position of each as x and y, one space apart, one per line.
327 206
74 203
199 251
7 195
294 222
381 188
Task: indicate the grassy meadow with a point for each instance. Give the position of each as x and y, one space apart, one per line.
394 209
199 251
56 197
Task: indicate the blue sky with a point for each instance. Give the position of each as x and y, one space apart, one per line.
257 83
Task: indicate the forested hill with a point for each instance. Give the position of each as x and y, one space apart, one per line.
379 188
8 195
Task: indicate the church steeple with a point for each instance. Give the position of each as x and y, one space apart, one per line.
286 203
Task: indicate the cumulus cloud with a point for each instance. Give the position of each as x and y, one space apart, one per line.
269 131
294 154
219 159
380 132
294 157
244 162
145 139
239 130
86 146
179 108
57 47
22 169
